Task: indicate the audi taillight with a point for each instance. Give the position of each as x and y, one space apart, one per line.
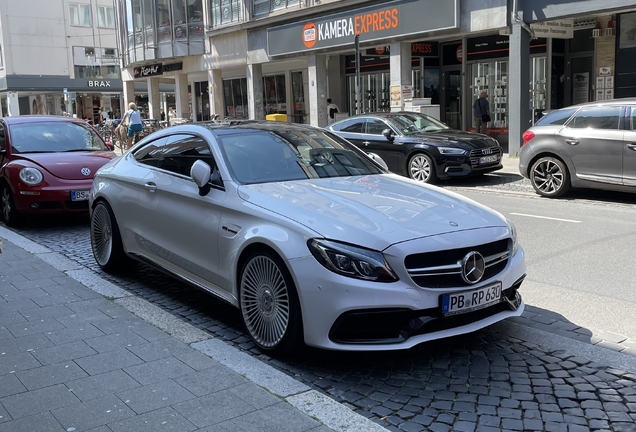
527 136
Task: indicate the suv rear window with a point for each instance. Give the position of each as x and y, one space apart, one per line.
556 118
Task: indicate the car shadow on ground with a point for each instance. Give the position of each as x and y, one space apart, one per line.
490 179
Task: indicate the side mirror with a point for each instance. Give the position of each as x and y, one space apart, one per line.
200 173
388 134
377 159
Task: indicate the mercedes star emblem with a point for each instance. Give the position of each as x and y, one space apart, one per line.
86 171
473 267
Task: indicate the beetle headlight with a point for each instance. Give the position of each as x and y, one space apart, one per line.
31 176
352 261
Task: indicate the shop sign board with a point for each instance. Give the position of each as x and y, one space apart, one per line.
372 23
581 85
555 29
396 93
156 69
148 71
418 49
98 83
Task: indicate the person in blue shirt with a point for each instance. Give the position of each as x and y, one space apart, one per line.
133 117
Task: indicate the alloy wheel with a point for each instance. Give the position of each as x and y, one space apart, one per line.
420 168
102 235
548 177
6 203
265 301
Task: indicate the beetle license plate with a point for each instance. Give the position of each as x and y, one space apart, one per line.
468 301
488 159
79 195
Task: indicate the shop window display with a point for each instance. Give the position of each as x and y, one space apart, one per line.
492 77
274 94
235 98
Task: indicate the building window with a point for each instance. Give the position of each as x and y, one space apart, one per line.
99 72
80 14
262 7
105 17
225 12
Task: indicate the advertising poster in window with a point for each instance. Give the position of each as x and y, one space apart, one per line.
581 86
627 35
37 105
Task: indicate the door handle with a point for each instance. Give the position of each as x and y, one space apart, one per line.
150 186
631 146
572 141
366 143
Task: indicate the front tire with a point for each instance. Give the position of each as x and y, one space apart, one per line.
550 177
106 242
422 168
269 303
10 214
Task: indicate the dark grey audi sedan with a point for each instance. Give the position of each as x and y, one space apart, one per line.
591 145
420 147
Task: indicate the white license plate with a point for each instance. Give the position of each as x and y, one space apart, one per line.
79 195
488 159
468 301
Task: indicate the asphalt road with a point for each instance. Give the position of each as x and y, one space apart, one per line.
580 253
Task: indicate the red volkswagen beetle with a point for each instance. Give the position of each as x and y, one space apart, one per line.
47 165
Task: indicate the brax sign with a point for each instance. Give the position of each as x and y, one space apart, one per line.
98 83
377 22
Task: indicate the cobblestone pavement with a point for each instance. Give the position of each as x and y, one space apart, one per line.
483 381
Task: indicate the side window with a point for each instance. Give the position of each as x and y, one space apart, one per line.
3 141
632 119
375 126
556 118
599 117
176 153
352 126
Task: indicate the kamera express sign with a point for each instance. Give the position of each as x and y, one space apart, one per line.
377 22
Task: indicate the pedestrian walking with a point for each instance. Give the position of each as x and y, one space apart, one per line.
332 109
481 109
133 118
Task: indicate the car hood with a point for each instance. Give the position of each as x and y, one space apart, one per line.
371 211
466 140
69 165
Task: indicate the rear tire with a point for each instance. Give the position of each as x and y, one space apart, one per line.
106 242
10 214
550 177
269 303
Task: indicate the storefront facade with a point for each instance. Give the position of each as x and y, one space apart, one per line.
291 57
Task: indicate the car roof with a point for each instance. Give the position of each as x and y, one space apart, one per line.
39 118
622 101
240 126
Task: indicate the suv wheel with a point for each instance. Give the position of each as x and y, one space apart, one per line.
550 177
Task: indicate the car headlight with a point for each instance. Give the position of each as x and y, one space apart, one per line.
31 176
352 261
451 151
513 235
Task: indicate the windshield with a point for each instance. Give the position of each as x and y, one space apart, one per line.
54 137
411 123
261 156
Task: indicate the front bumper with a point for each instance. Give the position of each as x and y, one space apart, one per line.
342 313
449 167
51 199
